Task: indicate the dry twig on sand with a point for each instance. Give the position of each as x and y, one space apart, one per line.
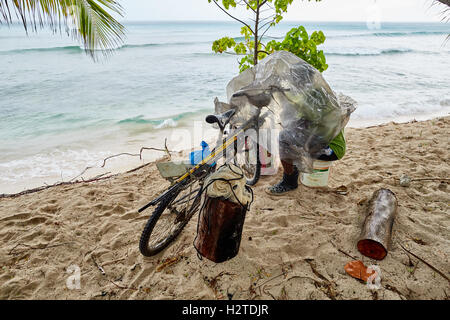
214 282
326 286
125 288
99 267
429 265
46 246
342 251
166 150
167 263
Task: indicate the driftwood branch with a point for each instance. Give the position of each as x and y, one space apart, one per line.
99 177
15 195
118 155
166 150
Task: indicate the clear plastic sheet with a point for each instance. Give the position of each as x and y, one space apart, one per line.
304 110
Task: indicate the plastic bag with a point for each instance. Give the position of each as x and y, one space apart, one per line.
228 182
304 110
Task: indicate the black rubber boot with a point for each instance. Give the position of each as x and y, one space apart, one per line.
289 183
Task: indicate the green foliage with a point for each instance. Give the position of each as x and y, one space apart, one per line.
226 3
296 41
91 21
245 63
302 45
221 45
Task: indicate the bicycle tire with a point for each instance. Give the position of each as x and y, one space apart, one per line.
149 228
254 180
251 180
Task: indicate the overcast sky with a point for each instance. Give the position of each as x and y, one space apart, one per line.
327 10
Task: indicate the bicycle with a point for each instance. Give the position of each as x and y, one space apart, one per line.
176 206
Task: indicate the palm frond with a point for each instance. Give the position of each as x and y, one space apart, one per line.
445 12
447 2
90 21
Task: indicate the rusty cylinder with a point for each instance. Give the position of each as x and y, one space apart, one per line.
377 228
219 229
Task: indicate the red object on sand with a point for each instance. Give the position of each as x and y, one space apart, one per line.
358 270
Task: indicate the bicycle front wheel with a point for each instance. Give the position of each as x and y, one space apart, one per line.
169 218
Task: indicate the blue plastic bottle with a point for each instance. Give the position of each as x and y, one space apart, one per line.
195 157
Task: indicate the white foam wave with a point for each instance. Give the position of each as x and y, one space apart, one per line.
392 110
63 164
168 123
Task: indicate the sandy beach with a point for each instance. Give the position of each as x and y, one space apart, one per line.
293 247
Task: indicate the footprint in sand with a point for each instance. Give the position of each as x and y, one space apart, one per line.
118 209
94 194
102 207
20 216
32 221
132 215
50 209
282 221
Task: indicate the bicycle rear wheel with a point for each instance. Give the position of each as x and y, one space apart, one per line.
169 218
247 157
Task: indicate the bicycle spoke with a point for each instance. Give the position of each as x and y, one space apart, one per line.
180 201
175 215
246 159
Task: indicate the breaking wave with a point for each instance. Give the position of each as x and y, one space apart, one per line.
171 122
378 52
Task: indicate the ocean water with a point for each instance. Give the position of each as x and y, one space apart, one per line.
61 112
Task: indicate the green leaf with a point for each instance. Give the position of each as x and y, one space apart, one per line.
223 44
296 40
245 63
304 46
246 32
240 48
90 21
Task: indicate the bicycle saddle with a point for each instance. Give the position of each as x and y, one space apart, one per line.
221 119
259 99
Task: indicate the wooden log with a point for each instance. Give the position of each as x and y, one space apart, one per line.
219 229
377 228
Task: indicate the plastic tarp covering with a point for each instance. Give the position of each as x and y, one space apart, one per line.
304 110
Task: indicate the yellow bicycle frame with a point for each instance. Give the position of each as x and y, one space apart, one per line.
224 146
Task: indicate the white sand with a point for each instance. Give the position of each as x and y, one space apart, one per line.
294 251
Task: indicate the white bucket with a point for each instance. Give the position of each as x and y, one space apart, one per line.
319 177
